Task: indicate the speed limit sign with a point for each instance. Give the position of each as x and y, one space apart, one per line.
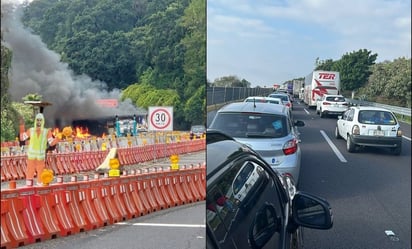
160 118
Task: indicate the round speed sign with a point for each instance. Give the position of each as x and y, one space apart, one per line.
161 118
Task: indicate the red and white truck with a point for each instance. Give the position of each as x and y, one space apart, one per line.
318 83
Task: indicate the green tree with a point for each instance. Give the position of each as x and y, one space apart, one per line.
355 68
390 82
231 81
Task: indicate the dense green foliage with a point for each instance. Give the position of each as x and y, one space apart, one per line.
160 45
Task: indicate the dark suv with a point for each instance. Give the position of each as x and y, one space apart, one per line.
250 205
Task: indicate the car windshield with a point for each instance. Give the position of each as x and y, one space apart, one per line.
280 96
376 117
248 125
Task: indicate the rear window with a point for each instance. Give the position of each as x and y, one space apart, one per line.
281 96
335 99
198 128
376 117
248 125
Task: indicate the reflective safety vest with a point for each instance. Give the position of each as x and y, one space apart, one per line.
37 145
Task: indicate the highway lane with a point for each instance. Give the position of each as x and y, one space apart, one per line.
174 228
369 191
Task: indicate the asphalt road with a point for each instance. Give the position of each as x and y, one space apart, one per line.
369 191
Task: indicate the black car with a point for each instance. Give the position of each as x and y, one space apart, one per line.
274 212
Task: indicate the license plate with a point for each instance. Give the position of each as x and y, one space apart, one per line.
378 133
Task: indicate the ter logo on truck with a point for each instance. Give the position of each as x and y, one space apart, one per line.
327 76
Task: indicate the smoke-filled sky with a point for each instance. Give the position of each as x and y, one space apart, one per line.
36 69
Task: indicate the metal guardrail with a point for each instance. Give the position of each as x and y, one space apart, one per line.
216 96
219 95
403 111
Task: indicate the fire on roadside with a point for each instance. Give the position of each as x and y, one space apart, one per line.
72 133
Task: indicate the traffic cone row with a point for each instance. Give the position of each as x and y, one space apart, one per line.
35 214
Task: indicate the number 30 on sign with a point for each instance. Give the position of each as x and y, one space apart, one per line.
160 118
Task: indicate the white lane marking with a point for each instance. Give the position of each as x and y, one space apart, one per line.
168 225
337 152
307 112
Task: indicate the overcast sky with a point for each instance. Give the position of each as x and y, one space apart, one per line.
272 41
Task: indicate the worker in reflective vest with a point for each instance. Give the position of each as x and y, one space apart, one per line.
36 153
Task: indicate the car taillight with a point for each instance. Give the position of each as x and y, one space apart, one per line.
355 130
326 103
288 104
290 147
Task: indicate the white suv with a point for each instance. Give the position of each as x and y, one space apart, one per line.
369 126
331 105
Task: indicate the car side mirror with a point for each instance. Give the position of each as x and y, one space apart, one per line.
311 211
299 123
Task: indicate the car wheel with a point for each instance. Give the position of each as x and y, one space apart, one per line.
321 115
350 146
337 136
397 151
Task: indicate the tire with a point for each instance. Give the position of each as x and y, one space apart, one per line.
350 146
337 136
397 151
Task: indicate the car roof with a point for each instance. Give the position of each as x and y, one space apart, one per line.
261 97
333 95
254 107
370 108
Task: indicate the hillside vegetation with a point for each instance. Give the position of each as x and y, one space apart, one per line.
153 51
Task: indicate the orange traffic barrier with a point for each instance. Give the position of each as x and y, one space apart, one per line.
163 191
13 220
51 163
199 178
167 180
152 181
47 212
76 211
127 198
145 194
142 205
178 188
5 235
106 195
185 188
62 199
31 217
98 202
119 203
17 164
5 168
192 186
90 214
121 156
